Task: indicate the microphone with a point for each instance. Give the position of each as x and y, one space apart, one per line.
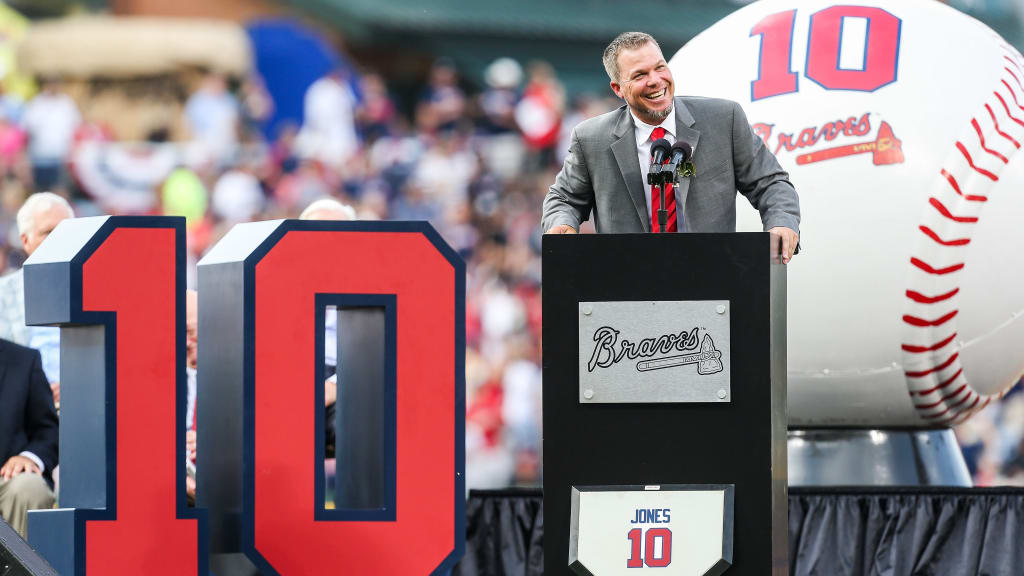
660 149
681 154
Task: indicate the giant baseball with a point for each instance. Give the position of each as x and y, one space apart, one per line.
900 123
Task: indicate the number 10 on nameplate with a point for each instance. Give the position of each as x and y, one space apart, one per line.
677 530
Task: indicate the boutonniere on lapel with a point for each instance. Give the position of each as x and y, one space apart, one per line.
685 168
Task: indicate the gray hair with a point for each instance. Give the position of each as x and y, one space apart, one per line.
328 205
624 41
39 202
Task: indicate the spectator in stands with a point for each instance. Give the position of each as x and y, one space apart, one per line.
12 144
37 217
212 116
503 147
51 119
376 113
328 131
328 209
28 435
237 196
539 113
442 103
498 102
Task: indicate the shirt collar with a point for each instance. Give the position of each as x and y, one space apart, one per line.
642 130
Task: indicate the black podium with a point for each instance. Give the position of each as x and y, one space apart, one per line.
664 405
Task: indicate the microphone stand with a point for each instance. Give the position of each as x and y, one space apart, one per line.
662 211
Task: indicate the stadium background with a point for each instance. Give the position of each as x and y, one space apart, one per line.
450 111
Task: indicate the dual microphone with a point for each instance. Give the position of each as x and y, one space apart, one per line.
678 155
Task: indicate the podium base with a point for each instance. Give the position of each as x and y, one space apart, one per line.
875 457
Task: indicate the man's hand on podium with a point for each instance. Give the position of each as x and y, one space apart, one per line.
561 229
788 240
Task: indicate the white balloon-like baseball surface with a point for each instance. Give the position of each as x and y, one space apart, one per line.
900 122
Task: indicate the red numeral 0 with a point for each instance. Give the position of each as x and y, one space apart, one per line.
881 51
652 561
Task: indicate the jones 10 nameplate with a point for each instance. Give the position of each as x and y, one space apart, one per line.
670 530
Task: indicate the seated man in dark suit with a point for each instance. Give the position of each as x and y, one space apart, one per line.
28 435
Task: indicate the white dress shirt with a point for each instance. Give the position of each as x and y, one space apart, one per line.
642 131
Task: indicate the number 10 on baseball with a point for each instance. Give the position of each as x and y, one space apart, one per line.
871 39
652 547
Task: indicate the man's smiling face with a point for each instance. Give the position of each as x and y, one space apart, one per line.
645 83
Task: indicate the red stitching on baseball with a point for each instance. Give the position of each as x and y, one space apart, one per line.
1012 74
1011 61
961 414
918 297
945 212
942 385
1007 108
926 267
970 162
952 182
996 124
943 399
919 349
965 398
981 137
933 369
937 271
970 411
921 322
936 415
931 234
1012 94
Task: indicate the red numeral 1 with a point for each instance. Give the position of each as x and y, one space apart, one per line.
636 559
118 290
774 75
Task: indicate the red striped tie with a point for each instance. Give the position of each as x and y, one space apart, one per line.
670 198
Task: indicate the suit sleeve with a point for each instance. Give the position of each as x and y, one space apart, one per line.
761 179
571 198
41 416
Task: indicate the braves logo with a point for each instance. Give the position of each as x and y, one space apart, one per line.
696 350
885 148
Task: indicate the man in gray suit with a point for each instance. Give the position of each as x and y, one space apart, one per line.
606 169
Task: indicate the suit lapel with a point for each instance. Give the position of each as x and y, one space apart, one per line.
625 152
685 133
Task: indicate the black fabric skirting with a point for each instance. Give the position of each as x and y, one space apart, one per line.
832 532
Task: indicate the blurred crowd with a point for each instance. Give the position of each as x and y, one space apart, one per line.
993 442
475 163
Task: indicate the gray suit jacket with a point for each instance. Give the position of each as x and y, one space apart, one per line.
601 173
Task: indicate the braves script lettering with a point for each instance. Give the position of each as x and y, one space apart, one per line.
810 136
605 352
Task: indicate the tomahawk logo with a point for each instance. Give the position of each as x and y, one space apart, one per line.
665 351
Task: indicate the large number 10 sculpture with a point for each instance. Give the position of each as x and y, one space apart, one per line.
116 287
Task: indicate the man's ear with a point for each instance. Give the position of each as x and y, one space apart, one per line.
24 242
616 88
